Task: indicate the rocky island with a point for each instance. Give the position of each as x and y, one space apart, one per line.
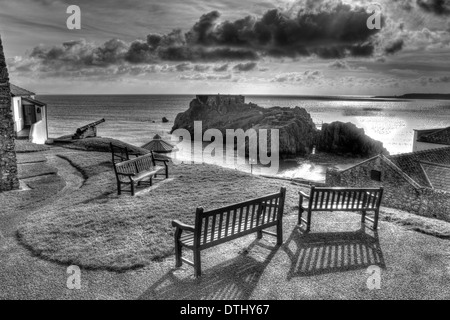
297 131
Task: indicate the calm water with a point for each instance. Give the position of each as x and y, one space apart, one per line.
137 118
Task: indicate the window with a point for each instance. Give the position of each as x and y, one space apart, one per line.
375 175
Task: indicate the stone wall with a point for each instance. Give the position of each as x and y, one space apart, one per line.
398 192
8 163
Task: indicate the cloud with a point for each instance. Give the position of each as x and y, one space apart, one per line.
325 29
294 77
339 65
248 66
205 76
394 46
434 80
438 7
221 68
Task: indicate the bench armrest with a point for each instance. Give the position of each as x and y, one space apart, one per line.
303 195
161 160
182 226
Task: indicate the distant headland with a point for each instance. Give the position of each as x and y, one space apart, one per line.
431 96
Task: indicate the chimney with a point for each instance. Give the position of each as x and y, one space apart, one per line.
8 161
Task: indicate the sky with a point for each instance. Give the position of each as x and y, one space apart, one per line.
286 47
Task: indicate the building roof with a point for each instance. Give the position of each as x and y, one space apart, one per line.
34 101
437 136
427 168
410 163
20 92
438 175
158 145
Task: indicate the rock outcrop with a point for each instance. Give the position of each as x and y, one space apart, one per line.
296 128
297 131
345 138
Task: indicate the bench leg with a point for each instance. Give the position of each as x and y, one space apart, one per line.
119 188
363 216
197 263
132 189
259 234
300 213
280 232
167 172
375 220
178 249
308 225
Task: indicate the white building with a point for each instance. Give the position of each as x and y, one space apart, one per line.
30 116
431 139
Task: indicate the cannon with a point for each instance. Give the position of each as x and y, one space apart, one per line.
87 131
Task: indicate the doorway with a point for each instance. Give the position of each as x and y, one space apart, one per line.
29 114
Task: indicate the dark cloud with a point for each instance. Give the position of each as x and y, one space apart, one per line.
439 7
221 68
248 66
201 68
330 31
394 46
327 29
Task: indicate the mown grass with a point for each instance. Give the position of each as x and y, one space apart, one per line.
429 226
96 229
103 145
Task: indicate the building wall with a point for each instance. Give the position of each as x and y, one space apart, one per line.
17 113
398 192
8 162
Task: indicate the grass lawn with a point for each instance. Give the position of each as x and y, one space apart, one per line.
42 189
96 229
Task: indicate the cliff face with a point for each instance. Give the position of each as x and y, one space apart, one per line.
346 138
298 134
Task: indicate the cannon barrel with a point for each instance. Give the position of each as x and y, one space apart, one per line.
93 124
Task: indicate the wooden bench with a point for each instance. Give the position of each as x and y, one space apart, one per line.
137 170
228 223
120 154
340 199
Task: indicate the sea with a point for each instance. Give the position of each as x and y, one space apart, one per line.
136 119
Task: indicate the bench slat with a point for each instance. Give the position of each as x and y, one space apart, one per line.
187 239
227 224
220 225
233 227
240 220
213 227
205 229
253 215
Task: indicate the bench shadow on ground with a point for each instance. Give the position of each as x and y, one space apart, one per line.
332 252
234 279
